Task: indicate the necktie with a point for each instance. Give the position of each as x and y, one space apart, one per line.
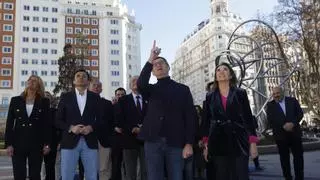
138 104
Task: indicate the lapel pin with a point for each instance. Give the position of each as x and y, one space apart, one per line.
18 110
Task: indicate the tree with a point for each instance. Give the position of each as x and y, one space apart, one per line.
299 20
70 62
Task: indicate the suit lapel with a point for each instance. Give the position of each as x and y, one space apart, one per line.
87 102
36 107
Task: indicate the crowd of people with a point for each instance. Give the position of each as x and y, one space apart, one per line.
153 133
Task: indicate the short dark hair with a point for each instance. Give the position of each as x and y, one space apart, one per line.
82 70
233 80
120 89
67 46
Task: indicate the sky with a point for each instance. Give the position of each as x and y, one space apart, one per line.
170 21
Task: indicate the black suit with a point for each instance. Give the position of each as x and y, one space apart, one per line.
287 140
27 135
229 133
107 119
128 116
68 114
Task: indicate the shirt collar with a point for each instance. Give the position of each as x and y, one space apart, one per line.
135 95
78 93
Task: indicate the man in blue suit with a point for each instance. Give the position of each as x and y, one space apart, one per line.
284 114
79 119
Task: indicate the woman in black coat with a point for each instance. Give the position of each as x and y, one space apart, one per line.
27 135
231 127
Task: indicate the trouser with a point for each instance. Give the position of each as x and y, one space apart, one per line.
295 145
130 159
231 168
19 160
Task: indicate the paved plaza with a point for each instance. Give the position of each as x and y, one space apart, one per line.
271 164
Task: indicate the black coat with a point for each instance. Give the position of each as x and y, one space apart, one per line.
68 114
170 113
28 132
107 118
229 129
277 118
128 117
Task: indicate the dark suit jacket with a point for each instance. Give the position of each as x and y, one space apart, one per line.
128 117
107 119
277 118
229 129
68 114
170 114
28 132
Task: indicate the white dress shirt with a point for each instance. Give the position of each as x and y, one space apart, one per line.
29 108
135 99
283 105
81 100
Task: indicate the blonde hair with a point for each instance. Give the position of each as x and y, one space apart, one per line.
39 90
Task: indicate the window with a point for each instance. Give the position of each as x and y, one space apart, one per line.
115 52
54 62
69 30
94 42
5 101
7 38
45 40
115 83
34 61
44 62
86 31
25 28
115 63
5 83
7 27
54 30
45 19
69 40
25 39
23 83
114 42
86 62
94 73
36 8
77 30
69 20
69 10
24 72
34 72
114 31
94 31
109 13
94 21
45 9
6 60
25 50
26 18
54 51
94 52
44 51
5 72
44 73
35 18
24 61
115 73
86 12
54 20
86 21
77 20
54 10
8 17
27 8
114 21
6 49
8 6
94 63
54 73
54 41
94 12
35 51
35 29
77 11
35 40
44 29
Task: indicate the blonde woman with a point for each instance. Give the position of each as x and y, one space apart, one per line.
27 135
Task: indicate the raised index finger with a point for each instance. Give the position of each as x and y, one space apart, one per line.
154 44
